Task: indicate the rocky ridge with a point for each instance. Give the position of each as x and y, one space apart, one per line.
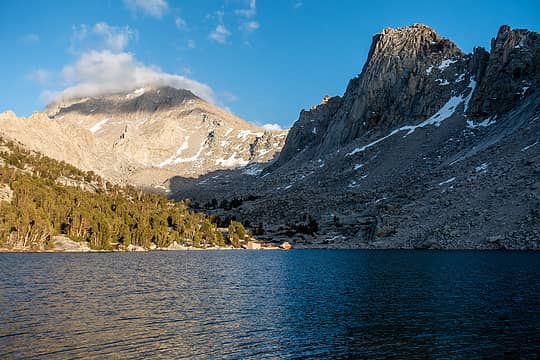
428 148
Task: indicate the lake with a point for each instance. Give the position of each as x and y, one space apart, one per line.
270 304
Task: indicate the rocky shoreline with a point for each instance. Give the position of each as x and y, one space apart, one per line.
64 244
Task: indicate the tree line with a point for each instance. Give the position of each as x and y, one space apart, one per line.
107 217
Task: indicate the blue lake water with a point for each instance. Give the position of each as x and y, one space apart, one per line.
270 304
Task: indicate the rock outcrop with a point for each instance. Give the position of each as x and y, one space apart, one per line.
512 68
6 194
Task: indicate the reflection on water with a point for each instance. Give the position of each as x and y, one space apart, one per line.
271 304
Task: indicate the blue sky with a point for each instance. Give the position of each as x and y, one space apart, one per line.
263 60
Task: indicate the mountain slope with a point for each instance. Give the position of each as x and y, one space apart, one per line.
42 201
144 136
428 148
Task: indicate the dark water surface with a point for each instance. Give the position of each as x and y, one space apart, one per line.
270 304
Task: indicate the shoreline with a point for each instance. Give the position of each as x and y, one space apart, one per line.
3 250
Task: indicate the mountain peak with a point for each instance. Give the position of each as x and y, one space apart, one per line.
408 44
414 28
147 98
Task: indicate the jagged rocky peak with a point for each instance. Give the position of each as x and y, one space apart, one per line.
410 73
511 69
407 64
407 46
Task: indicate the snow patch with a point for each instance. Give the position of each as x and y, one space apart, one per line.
314 131
446 63
232 161
481 168
137 92
444 113
358 166
442 82
252 171
98 126
354 183
484 123
262 153
429 70
529 146
447 181
460 78
472 86
175 160
243 134
229 130
162 188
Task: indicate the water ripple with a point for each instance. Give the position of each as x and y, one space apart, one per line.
297 305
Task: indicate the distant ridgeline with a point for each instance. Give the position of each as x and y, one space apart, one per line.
41 197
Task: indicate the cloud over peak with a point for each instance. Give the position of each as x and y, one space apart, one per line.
103 66
104 72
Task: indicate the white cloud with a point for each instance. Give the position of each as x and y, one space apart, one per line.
115 38
298 4
40 76
250 26
191 44
105 72
180 23
101 36
249 12
154 8
272 127
220 34
29 39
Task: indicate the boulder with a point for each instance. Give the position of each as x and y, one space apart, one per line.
6 194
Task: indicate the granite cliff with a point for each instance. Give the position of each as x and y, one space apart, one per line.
428 147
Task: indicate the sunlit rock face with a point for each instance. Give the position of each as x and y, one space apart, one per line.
144 136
